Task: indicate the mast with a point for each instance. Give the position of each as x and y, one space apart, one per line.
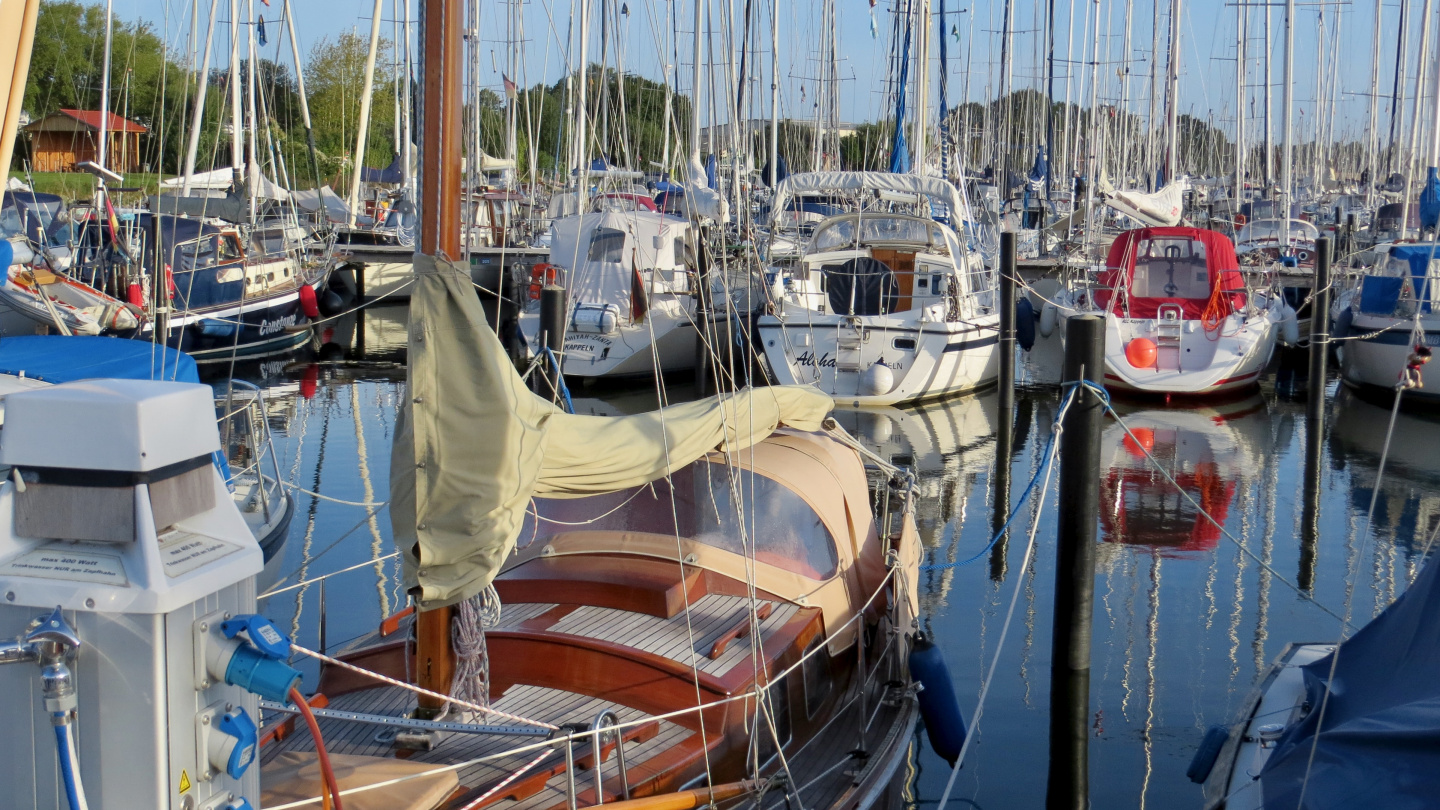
203 83
441 22
922 89
304 112
407 145
1172 93
695 93
104 144
252 167
1372 146
1413 141
1240 14
582 117
1395 93
237 118
1269 143
1287 173
774 93
366 92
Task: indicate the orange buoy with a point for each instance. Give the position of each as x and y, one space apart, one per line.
1141 353
1140 441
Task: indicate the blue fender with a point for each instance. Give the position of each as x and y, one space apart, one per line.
1204 760
1025 323
938 705
1343 323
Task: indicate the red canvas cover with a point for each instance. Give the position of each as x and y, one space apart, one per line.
1158 272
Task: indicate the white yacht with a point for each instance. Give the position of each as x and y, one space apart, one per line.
1180 318
630 307
885 304
1387 315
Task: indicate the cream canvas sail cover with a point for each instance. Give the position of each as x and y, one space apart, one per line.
473 445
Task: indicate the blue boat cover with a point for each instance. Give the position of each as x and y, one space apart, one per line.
1040 171
1418 256
61 359
394 174
1379 295
1380 745
1430 200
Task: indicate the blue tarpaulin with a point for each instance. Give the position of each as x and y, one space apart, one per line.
1380 745
61 359
1418 256
1430 201
1040 171
390 175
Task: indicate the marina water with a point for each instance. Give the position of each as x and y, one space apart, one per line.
1186 615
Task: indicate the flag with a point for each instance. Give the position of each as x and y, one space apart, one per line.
955 32
260 30
510 89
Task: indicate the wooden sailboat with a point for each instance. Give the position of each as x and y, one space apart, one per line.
697 604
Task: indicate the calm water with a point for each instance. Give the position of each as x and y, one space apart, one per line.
1184 618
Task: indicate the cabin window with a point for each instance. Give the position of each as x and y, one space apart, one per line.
836 236
607 245
1170 268
816 670
699 502
897 229
194 255
229 248
904 344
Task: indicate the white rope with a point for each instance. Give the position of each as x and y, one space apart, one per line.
418 689
507 780
1014 599
472 656
313 494
313 580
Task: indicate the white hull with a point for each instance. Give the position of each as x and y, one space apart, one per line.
627 351
925 360
1201 363
1378 361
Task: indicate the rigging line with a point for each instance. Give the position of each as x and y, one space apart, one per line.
302 490
1054 449
522 749
337 541
1203 513
1353 575
419 690
348 568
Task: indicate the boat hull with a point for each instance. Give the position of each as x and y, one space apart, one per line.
926 360
1375 362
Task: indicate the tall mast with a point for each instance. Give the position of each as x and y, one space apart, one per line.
407 147
922 88
582 117
203 83
1372 145
366 92
441 22
104 144
1288 168
252 167
237 118
1240 14
695 90
774 93
1269 143
1413 141
1172 93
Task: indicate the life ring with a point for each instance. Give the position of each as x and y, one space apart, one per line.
543 275
1240 220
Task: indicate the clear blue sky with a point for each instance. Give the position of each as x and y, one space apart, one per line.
1208 38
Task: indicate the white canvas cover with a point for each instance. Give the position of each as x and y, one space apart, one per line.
473 445
649 243
1161 209
821 182
222 179
335 208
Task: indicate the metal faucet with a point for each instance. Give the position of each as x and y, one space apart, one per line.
51 642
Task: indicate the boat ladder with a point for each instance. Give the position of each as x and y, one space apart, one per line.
850 334
1169 328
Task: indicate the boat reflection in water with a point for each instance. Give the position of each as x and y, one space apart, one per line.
1205 450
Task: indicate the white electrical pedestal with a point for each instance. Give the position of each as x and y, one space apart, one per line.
112 509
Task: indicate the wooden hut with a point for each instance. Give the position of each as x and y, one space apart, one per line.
67 137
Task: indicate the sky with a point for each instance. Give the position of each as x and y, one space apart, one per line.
1207 48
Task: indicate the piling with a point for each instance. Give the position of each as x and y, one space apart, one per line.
1319 336
1005 406
1069 778
552 336
1348 247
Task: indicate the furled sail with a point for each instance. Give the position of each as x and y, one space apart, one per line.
473 445
1161 209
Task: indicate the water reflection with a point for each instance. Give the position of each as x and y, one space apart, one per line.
1185 617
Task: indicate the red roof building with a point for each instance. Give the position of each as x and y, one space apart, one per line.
62 139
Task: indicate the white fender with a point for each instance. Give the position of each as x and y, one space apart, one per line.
1289 326
1049 315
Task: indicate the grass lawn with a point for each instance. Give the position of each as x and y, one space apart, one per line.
79 185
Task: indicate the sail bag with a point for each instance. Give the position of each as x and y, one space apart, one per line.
473 445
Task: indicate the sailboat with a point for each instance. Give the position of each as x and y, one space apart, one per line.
1388 318
885 304
1180 318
